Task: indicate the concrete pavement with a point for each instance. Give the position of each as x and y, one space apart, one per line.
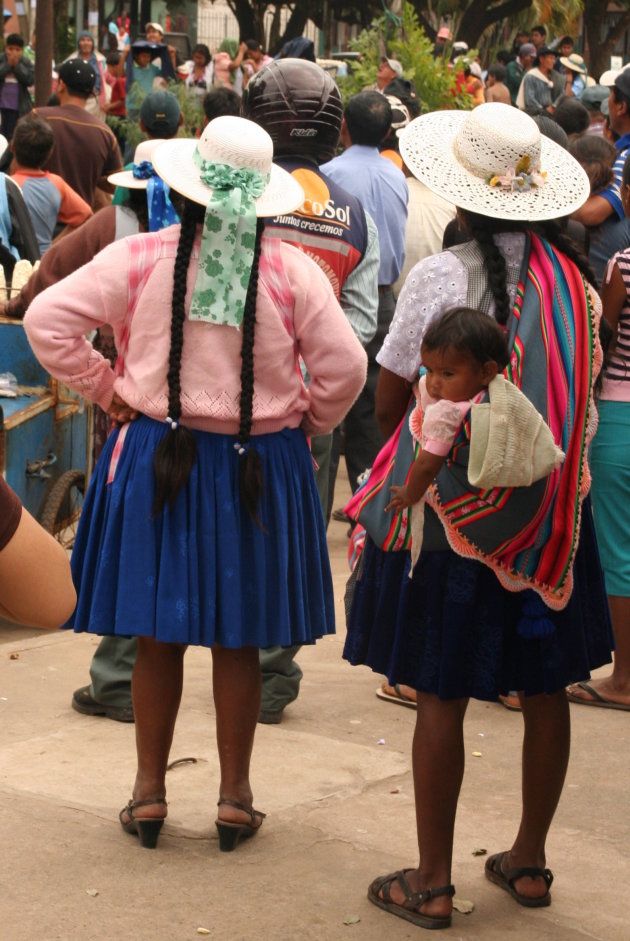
335 781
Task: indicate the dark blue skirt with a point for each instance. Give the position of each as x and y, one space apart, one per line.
451 630
202 572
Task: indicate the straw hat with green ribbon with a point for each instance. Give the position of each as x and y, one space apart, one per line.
229 170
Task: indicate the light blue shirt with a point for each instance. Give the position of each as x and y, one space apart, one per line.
382 189
578 85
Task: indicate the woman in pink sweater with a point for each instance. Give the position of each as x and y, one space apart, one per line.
202 524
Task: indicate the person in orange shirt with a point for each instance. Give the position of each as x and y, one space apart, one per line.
49 199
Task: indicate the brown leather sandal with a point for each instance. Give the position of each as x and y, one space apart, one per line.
230 832
146 828
408 909
505 879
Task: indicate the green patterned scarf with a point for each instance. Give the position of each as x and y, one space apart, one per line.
227 242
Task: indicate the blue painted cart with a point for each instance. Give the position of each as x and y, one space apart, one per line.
45 438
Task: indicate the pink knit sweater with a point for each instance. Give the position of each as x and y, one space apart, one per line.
129 286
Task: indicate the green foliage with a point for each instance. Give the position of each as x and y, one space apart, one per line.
129 129
65 40
125 130
434 81
192 108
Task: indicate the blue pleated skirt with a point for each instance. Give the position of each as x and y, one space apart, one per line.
452 630
202 572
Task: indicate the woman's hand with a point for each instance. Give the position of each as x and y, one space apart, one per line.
120 411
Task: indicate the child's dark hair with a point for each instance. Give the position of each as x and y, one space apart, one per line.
33 141
112 57
572 116
205 52
597 156
468 330
221 101
176 453
498 72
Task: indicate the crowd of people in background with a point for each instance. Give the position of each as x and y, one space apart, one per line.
305 248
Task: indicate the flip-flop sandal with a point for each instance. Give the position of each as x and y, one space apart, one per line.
408 909
396 695
512 703
506 879
597 700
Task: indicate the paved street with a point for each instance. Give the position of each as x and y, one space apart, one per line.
335 781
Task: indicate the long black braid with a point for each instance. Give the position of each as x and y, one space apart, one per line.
176 452
483 229
495 266
250 472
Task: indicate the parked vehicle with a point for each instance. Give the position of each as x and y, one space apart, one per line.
45 437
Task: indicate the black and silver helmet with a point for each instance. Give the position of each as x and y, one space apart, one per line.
299 106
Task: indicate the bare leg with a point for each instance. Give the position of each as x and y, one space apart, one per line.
616 687
545 759
237 685
438 769
156 690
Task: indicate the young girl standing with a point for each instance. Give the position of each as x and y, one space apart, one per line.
202 523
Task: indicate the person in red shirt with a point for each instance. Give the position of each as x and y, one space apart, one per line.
116 104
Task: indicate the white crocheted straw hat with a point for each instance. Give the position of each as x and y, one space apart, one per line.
495 162
240 144
143 154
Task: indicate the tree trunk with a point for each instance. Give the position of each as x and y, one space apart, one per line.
44 57
479 16
600 50
271 44
420 7
295 27
248 19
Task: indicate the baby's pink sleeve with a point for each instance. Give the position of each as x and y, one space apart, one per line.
442 421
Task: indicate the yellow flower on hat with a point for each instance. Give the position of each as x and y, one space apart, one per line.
523 165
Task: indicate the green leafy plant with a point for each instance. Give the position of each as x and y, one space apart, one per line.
65 40
189 102
434 80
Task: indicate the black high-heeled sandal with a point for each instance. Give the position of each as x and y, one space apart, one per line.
230 833
147 829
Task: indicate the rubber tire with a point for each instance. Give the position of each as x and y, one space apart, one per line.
59 491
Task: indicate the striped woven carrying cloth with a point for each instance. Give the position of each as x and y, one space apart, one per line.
390 531
528 535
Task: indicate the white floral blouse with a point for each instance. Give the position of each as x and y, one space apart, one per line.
434 285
